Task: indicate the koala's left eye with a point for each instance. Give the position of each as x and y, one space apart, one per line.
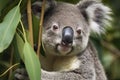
78 31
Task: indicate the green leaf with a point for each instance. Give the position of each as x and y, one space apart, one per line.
32 63
20 44
29 58
8 27
35 28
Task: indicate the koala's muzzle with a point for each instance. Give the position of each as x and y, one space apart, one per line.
67 35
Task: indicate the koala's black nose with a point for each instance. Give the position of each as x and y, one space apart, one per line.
67 35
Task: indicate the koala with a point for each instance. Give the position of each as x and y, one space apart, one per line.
69 53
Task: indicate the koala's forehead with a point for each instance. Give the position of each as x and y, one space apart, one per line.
66 14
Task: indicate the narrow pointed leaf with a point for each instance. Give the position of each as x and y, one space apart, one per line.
20 44
32 63
29 58
8 27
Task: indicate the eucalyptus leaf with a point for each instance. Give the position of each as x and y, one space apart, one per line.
8 27
32 63
29 58
20 44
35 28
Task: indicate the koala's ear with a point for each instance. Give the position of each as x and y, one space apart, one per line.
36 7
97 15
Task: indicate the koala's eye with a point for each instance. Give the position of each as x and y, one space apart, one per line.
55 27
78 31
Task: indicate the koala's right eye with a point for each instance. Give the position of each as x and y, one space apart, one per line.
55 27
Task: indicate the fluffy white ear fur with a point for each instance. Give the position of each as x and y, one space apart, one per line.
105 17
98 15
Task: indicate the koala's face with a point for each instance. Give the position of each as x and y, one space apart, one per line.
67 27
65 31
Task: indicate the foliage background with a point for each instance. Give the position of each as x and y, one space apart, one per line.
108 46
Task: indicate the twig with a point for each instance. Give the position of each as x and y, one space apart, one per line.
40 28
30 22
9 69
11 61
111 48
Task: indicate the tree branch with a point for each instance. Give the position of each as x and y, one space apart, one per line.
40 28
111 48
30 22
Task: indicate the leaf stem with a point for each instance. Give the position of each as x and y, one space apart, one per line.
24 34
19 3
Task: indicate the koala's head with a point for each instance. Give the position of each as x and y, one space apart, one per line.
67 27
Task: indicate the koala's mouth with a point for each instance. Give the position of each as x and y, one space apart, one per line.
63 49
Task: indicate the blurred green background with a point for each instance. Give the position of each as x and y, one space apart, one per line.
108 45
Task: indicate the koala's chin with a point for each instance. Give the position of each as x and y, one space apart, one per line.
64 49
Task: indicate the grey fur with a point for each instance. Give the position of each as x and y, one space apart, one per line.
90 62
85 17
